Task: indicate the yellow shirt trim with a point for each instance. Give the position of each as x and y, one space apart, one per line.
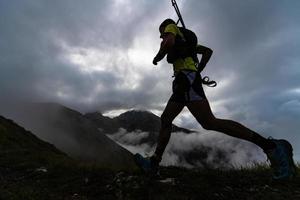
172 28
180 64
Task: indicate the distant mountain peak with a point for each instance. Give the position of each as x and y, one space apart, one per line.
132 121
133 111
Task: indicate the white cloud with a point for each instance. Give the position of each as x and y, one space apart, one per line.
195 149
237 153
97 56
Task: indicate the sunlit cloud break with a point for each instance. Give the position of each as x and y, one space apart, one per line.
195 150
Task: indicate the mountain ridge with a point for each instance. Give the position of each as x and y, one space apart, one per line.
71 133
21 147
33 169
132 121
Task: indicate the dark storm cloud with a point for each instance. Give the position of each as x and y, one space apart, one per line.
256 61
30 55
97 55
37 36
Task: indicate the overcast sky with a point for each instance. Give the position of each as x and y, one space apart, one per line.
97 55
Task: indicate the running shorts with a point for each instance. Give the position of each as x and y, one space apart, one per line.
187 87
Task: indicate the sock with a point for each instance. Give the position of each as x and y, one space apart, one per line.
155 160
262 142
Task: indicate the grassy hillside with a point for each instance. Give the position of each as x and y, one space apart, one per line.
70 132
173 183
19 147
31 169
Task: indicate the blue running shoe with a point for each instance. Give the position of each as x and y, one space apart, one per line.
281 159
145 164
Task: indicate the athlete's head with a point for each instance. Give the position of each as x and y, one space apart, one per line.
165 23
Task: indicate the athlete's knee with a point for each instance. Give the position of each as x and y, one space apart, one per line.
210 124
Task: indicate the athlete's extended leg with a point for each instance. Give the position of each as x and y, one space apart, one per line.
202 112
279 152
171 111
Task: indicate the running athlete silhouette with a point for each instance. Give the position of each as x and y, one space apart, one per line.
188 91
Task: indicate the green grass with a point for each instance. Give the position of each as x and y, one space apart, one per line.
91 182
22 155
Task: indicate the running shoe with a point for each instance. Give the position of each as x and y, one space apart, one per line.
146 164
281 159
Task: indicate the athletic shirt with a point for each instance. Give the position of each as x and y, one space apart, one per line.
180 63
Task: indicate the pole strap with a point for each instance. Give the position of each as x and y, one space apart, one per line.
206 81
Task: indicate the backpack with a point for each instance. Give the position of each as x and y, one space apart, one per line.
184 47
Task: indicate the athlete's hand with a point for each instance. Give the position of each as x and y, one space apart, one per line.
155 60
159 56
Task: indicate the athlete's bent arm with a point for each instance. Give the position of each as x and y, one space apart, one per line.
206 54
165 46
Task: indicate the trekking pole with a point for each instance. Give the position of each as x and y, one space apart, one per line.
174 4
205 80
